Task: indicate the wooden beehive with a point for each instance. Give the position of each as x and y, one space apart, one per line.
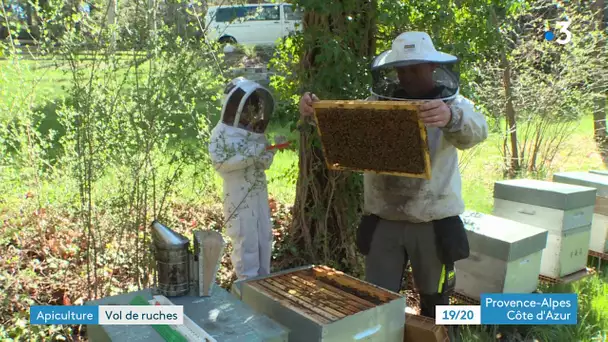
420 328
317 303
373 136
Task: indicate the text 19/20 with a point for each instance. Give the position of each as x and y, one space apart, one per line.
457 315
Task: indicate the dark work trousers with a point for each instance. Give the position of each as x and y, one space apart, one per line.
394 243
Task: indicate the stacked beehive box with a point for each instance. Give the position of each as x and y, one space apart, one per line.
599 172
317 303
505 256
599 228
565 210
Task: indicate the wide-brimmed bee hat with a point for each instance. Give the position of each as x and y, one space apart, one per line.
408 49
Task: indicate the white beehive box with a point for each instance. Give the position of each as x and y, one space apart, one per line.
565 210
599 172
599 228
505 256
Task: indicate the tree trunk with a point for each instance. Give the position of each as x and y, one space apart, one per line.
510 118
112 21
328 203
599 110
512 161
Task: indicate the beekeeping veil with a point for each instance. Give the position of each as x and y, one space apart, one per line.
409 49
247 105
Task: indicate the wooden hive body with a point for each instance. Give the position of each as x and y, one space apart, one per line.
373 136
317 303
564 210
423 329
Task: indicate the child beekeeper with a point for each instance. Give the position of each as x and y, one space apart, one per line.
240 154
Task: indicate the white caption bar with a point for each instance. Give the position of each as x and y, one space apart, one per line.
458 315
141 314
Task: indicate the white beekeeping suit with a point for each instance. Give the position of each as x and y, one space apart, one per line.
238 152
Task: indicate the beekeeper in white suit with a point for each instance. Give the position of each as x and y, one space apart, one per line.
411 219
239 153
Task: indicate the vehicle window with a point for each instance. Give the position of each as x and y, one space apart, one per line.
264 13
290 14
228 14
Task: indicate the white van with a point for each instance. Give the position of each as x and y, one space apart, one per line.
261 24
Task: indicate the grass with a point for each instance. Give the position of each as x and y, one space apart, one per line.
40 82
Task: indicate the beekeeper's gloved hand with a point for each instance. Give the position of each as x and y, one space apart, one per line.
279 139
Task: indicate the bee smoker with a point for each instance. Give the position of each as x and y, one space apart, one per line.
181 270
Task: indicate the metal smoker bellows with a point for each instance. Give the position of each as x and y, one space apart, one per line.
180 271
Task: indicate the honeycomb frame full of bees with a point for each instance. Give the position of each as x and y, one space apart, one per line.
384 137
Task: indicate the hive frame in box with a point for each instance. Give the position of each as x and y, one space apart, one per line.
378 105
308 316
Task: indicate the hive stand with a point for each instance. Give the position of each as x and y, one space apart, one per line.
600 257
567 279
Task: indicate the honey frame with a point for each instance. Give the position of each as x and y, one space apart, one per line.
291 288
377 105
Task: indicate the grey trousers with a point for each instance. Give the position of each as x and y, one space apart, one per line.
396 242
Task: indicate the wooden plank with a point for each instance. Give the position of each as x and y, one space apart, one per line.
570 278
603 256
305 295
601 206
377 105
345 280
299 303
362 104
338 167
289 303
348 296
344 305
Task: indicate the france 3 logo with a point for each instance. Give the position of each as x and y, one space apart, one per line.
561 33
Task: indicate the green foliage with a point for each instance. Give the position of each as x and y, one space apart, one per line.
132 129
124 137
552 85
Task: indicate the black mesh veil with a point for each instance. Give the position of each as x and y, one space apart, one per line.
247 105
256 111
386 84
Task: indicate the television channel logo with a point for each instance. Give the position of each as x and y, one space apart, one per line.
562 28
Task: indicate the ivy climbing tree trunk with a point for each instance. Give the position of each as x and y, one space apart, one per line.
338 43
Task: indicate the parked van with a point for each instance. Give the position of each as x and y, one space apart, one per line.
262 24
